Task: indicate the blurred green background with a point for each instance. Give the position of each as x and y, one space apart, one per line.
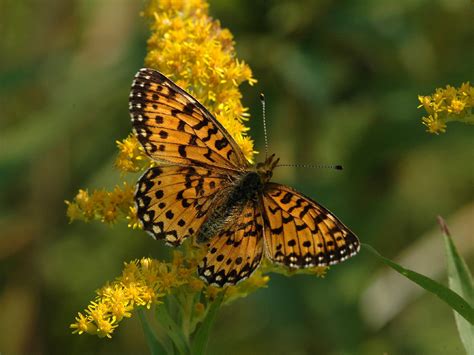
341 80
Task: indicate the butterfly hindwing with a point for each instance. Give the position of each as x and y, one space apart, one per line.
172 201
174 127
300 233
235 253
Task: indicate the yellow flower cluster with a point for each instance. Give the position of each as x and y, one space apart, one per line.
102 205
139 285
131 157
145 282
449 104
191 48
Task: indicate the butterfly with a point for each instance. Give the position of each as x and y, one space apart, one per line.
204 187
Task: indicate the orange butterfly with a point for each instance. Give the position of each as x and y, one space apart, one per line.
204 187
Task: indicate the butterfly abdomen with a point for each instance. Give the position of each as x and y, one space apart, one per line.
245 189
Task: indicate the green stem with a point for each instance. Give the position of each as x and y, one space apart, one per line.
172 329
186 315
201 336
157 345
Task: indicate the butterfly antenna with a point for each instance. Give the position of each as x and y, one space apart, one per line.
262 100
319 166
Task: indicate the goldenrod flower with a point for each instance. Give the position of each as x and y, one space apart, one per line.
117 300
449 104
144 283
190 47
131 157
133 221
101 205
83 325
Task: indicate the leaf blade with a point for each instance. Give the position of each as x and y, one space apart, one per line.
172 330
154 344
460 281
450 297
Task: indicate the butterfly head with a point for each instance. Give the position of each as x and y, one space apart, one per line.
265 169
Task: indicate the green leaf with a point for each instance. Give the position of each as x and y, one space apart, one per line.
172 330
460 281
202 334
455 301
156 346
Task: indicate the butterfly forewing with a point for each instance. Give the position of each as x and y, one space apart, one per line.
173 201
174 127
235 253
300 233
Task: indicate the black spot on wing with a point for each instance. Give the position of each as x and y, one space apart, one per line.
221 143
182 151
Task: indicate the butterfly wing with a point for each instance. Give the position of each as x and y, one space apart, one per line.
174 127
235 253
300 233
173 201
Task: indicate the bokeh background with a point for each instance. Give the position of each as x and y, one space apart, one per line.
341 80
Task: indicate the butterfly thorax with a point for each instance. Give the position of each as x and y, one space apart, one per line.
248 186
